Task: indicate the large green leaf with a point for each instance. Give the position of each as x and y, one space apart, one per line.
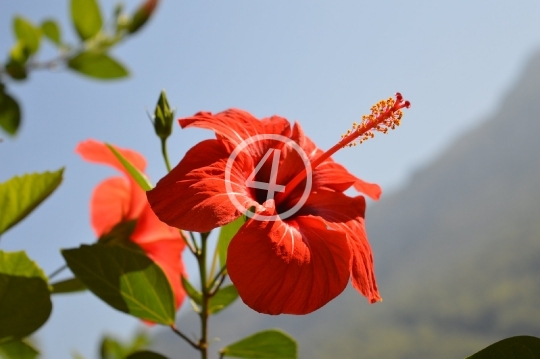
21 195
125 279
137 175
520 347
97 65
51 29
226 233
68 286
268 344
27 33
222 299
25 301
10 114
17 349
86 17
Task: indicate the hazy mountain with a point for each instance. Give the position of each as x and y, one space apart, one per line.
457 253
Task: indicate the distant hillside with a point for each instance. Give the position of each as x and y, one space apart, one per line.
452 205
457 253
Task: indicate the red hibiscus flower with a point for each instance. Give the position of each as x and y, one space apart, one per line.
291 265
120 199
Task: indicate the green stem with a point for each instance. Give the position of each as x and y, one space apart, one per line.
185 337
215 288
165 155
194 241
219 277
203 343
214 263
190 245
58 271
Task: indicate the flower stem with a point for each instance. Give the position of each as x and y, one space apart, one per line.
165 154
58 271
188 243
214 288
194 241
219 277
214 264
201 257
185 337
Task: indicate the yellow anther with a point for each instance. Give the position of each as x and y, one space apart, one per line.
385 115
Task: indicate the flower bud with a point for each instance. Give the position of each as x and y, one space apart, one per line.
163 117
141 16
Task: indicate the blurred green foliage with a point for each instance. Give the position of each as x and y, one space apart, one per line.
90 57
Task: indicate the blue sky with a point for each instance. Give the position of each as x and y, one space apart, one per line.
321 63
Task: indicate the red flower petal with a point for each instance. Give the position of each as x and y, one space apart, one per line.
292 267
110 204
305 142
193 195
150 229
118 199
164 246
346 215
98 152
235 126
372 190
362 268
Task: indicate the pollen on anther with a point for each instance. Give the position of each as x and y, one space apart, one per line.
385 115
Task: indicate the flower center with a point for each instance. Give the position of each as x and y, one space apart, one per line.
385 115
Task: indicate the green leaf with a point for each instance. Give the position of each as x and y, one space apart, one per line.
193 293
26 33
120 235
68 286
51 29
268 344
520 347
125 279
112 348
16 349
137 175
10 115
21 195
145 354
97 65
226 233
25 301
16 69
19 54
86 17
223 298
